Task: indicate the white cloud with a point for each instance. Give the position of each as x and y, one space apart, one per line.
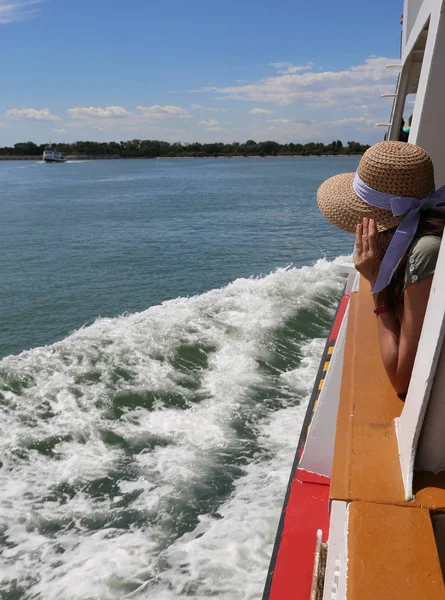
260 111
163 112
61 130
209 123
355 86
209 88
287 67
91 112
212 125
31 113
116 119
313 130
208 108
342 104
18 10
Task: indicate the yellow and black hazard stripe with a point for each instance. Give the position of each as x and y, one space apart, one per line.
322 371
316 391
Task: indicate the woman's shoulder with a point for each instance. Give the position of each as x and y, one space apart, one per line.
422 258
426 243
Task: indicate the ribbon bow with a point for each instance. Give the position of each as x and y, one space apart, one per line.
405 232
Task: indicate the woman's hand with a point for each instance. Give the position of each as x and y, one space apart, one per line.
366 258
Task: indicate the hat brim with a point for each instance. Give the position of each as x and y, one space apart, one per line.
344 209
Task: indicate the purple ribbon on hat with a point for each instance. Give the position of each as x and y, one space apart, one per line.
405 232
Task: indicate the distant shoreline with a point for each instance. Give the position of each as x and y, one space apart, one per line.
92 157
151 149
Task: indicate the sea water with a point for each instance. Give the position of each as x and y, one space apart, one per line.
161 326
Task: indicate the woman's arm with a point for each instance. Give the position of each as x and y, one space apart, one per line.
415 302
398 338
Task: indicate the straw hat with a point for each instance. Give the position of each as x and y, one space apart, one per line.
392 167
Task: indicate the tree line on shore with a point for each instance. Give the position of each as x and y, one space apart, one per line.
155 148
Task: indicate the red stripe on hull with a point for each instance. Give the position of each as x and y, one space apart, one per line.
308 477
339 317
306 511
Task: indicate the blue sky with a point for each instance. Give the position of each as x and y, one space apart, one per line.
196 70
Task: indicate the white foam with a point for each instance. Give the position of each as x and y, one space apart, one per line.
231 554
69 390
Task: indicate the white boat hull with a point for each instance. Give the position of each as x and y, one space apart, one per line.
52 156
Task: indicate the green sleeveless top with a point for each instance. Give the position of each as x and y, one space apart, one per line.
422 258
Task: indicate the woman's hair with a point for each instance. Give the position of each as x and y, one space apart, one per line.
431 222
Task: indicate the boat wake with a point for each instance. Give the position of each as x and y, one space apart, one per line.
149 454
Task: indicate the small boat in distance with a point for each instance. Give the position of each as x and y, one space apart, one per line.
51 156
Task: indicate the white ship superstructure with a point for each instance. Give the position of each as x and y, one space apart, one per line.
51 155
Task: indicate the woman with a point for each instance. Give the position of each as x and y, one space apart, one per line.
391 206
